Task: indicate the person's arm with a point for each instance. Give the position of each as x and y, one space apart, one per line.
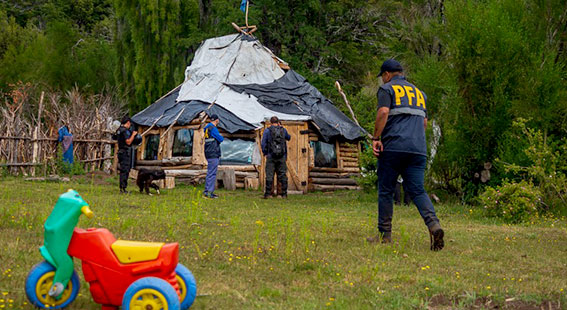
216 134
131 139
264 143
287 136
425 123
384 102
381 119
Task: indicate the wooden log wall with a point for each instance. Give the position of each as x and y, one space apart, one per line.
192 170
347 154
244 176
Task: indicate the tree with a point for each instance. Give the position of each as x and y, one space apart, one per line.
150 41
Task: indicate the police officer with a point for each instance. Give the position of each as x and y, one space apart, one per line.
125 139
399 143
213 139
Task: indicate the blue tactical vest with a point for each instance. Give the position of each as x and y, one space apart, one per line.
212 146
404 130
406 98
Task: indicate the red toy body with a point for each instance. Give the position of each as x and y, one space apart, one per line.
108 278
133 275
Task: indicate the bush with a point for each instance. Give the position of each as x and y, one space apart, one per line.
512 202
369 178
545 165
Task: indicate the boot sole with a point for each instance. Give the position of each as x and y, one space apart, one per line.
437 242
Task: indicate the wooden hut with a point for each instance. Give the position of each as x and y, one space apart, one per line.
241 81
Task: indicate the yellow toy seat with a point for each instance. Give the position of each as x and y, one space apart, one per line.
129 252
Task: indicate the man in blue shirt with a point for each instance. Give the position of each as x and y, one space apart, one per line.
66 140
274 147
213 139
399 143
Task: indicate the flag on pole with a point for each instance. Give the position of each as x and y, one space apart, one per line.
243 6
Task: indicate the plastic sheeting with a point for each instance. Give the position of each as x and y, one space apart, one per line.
183 143
292 94
166 110
325 154
237 152
152 145
246 87
233 59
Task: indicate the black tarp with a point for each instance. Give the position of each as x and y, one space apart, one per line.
166 110
292 94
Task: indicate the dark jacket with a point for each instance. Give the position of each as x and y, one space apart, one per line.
267 137
213 139
123 135
404 130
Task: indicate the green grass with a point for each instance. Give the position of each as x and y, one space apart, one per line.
306 252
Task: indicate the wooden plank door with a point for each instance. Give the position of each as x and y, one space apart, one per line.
297 157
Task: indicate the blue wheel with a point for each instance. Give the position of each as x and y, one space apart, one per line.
150 293
187 286
40 280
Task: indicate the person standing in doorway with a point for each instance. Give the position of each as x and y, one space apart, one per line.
213 139
274 147
125 138
399 143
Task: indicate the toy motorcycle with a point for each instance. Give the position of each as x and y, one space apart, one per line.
133 275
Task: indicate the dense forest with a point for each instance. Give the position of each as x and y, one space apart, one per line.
494 71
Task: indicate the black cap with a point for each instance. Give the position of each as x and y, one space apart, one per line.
125 119
214 117
390 65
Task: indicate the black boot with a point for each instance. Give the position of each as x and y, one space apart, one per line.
381 237
436 235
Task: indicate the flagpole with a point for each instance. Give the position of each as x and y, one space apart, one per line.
247 2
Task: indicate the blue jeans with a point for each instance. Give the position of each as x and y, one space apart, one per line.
412 168
212 167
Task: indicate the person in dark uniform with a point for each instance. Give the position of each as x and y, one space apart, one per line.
399 143
125 139
274 148
398 193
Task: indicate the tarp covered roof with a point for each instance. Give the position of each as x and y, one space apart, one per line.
240 80
164 111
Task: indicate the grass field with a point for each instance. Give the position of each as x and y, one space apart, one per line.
306 252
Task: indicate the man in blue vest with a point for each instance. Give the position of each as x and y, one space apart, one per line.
399 143
213 139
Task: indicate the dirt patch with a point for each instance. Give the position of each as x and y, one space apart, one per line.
439 302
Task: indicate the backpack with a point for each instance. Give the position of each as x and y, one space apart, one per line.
277 143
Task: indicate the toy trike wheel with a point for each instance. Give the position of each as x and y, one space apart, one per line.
40 280
150 294
187 286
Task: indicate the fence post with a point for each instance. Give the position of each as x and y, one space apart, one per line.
36 132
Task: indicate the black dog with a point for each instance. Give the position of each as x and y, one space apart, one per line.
145 178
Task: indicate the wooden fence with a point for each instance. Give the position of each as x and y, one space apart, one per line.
25 155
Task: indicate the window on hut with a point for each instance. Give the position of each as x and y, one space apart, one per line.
152 146
325 154
183 143
237 152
